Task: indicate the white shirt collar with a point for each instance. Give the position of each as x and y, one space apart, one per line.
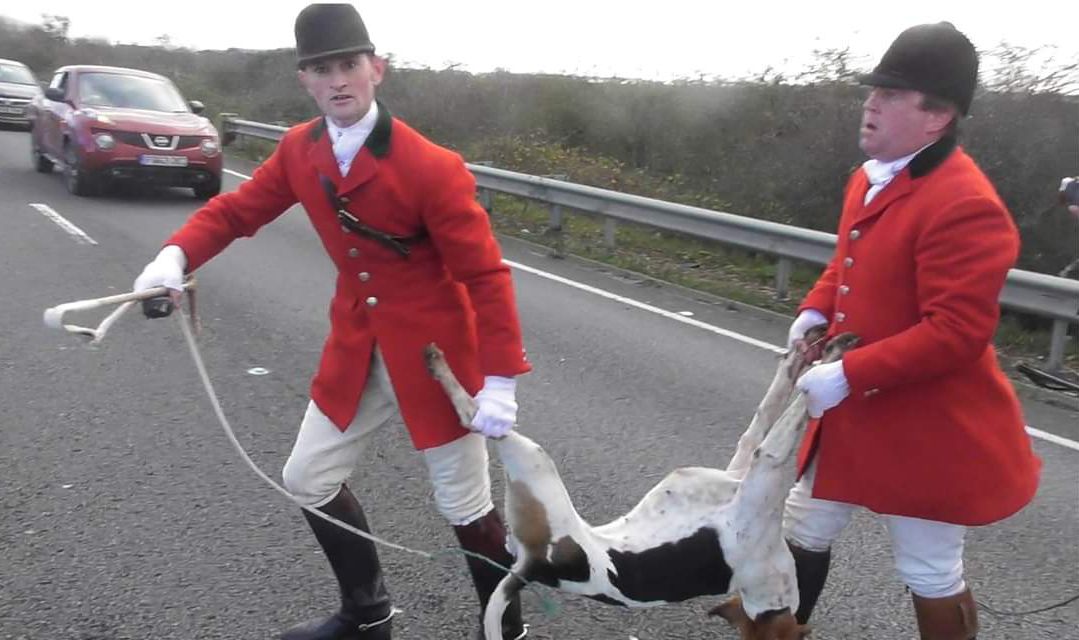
347 141
880 173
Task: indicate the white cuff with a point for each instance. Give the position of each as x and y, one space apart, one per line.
175 254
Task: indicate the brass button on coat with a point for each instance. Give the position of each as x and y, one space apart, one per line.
840 316
372 301
855 234
843 289
353 252
848 262
363 276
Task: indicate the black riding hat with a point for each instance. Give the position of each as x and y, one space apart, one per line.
327 30
935 59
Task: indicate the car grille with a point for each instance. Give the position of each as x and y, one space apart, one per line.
13 106
136 139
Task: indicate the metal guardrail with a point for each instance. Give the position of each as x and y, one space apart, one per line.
1027 291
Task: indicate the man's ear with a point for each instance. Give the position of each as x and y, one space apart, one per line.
938 121
379 66
301 76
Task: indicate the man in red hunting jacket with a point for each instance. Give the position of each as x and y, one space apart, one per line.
918 423
417 263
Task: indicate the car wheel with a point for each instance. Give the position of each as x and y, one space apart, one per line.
208 190
40 162
76 181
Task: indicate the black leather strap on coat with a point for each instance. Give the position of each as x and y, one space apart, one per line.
400 244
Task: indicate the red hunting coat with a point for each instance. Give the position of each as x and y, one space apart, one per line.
453 289
932 428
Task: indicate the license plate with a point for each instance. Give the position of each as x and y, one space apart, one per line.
17 111
163 161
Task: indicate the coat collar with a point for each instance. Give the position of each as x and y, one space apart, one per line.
932 156
922 165
364 166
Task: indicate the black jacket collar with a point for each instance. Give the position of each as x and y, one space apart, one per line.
932 156
378 142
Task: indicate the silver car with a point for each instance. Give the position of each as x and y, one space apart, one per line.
17 88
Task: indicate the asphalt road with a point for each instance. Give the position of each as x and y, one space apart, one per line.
125 514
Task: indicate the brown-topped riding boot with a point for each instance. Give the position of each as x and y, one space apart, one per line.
951 618
365 612
487 537
812 570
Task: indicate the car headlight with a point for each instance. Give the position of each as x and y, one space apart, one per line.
105 141
210 147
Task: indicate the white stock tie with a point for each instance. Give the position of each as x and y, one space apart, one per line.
879 175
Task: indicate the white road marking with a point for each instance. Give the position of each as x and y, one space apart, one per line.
1052 437
78 234
644 306
672 315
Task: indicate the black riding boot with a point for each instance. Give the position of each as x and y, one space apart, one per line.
487 537
365 605
812 570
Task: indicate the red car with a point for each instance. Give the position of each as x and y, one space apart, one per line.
108 124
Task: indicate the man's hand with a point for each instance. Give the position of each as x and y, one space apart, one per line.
166 270
825 386
496 414
805 321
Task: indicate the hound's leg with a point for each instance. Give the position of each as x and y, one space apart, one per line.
782 440
463 404
775 399
764 571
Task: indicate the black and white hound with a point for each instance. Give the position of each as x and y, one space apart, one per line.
700 531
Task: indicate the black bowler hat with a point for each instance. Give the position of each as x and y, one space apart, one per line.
327 30
932 58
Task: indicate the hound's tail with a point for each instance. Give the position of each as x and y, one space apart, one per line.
509 587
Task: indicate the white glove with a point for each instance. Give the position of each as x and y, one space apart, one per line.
825 386
166 270
805 321
497 411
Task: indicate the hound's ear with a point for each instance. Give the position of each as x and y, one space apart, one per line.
731 610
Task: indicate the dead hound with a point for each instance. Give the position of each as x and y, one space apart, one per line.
700 531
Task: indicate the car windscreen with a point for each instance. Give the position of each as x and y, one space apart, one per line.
129 92
15 74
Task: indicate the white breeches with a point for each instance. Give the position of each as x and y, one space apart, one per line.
928 555
324 457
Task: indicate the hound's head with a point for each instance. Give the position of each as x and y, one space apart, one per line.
770 625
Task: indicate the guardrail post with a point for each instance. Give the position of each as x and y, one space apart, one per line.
554 230
486 200
1057 341
554 225
224 128
610 228
485 196
783 278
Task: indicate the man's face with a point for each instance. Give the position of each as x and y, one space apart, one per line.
343 87
894 124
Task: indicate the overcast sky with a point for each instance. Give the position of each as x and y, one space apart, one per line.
673 38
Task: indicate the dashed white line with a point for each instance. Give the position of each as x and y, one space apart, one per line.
672 315
76 233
